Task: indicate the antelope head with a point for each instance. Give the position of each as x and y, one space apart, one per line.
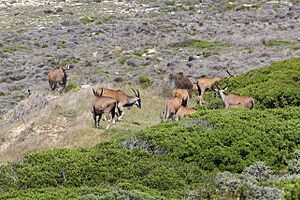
217 89
137 101
67 67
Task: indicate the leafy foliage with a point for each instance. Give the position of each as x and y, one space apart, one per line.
276 86
72 86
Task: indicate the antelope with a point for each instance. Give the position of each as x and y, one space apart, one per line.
203 84
171 107
58 77
182 94
103 105
183 112
233 100
206 82
123 100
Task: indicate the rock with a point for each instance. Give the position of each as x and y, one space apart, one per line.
118 79
132 63
59 10
191 58
48 12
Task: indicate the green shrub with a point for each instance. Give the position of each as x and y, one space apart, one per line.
145 81
72 86
123 60
86 20
276 86
10 49
272 43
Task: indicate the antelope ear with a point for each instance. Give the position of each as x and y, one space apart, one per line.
226 89
68 66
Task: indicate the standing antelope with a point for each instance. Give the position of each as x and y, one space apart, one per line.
233 100
171 107
123 100
206 82
58 77
183 112
182 94
203 84
103 105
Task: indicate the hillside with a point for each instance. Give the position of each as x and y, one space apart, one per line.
217 154
49 148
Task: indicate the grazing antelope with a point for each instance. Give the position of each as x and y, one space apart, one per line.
103 105
206 82
171 107
182 94
123 100
183 112
233 100
58 77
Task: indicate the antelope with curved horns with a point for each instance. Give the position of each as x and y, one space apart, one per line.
171 107
182 94
183 112
58 77
122 99
206 82
233 100
103 105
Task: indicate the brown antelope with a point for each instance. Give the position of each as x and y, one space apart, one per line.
123 100
183 112
206 82
203 84
58 77
182 94
233 100
103 105
171 107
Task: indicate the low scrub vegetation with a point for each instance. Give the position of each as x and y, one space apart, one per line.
216 153
199 44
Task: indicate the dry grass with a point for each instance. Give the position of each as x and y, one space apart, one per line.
66 122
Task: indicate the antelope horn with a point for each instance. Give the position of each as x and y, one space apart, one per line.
134 91
94 92
228 73
138 93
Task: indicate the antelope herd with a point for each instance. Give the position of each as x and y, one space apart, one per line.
112 103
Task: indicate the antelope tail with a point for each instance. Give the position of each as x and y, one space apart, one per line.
199 89
253 103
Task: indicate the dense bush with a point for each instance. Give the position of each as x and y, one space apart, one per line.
276 86
240 137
